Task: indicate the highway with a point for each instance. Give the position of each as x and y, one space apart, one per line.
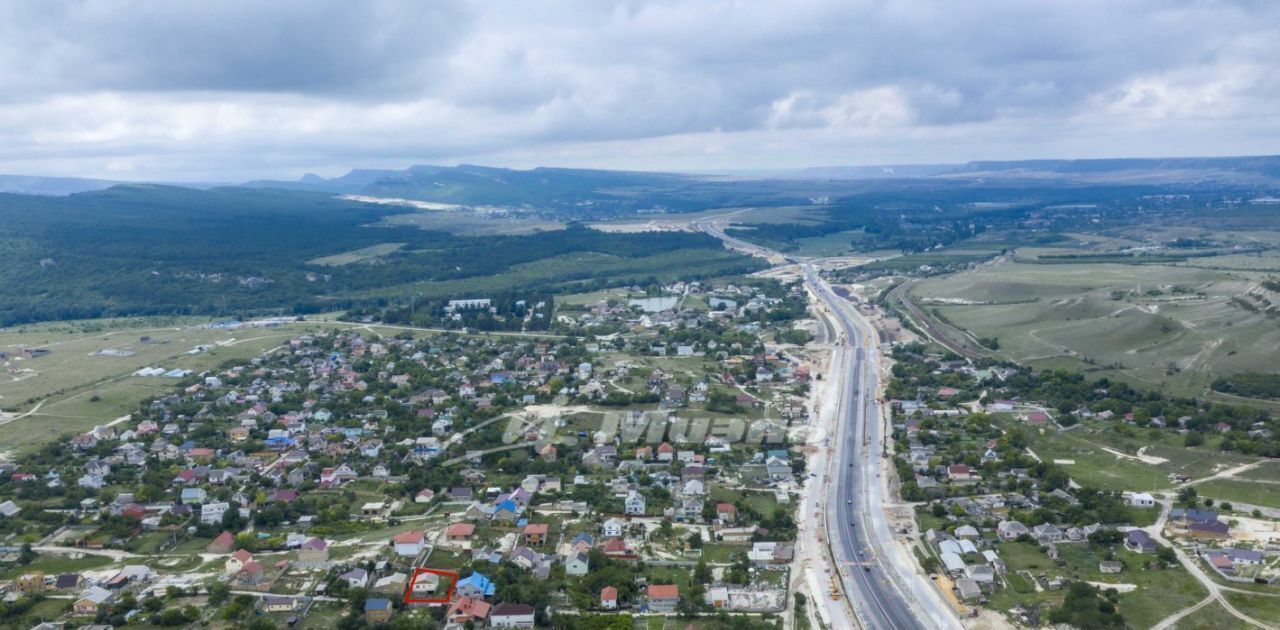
879 575
887 590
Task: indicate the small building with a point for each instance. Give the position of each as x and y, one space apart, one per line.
377 610
535 533
279 604
237 561
409 543
634 504
968 590
222 543
468 609
314 552
1110 566
459 532
1142 500
613 527
1208 530
91 601
609 598
475 586
1139 541
663 597
577 564
511 616
30 583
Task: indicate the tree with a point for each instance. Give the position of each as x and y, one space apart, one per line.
702 573
1187 496
218 593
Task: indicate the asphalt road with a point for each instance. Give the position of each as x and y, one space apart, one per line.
861 540
853 536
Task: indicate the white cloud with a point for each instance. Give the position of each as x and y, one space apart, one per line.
233 90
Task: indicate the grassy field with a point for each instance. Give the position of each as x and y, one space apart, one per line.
1242 491
1262 608
53 565
836 244
1095 466
75 387
1211 617
469 224
569 271
1158 592
1152 325
372 252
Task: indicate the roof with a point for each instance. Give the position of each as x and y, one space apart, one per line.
477 608
408 538
608 593
1217 527
378 603
502 610
242 555
478 581
536 529
664 591
460 529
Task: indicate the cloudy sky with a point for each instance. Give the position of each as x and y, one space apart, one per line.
229 90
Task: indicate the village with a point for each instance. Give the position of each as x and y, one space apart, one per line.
637 461
1004 527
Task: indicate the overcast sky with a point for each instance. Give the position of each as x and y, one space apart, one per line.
227 90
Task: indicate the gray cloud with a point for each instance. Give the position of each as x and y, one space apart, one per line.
243 89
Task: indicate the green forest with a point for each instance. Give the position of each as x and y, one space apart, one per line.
151 250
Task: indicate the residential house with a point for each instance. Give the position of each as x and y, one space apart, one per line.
459 533
1047 532
535 533
409 544
221 544
355 578
237 561
1142 500
377 610
468 609
511 616
613 527
1139 541
475 585
968 589
1009 530
663 597
609 598
91 601
313 553
634 504
577 564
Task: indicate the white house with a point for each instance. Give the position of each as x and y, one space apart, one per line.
634 504
577 564
212 512
613 528
511 616
408 544
1142 500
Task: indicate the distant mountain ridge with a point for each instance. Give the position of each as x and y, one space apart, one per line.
469 184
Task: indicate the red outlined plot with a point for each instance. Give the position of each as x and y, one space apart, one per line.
448 594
